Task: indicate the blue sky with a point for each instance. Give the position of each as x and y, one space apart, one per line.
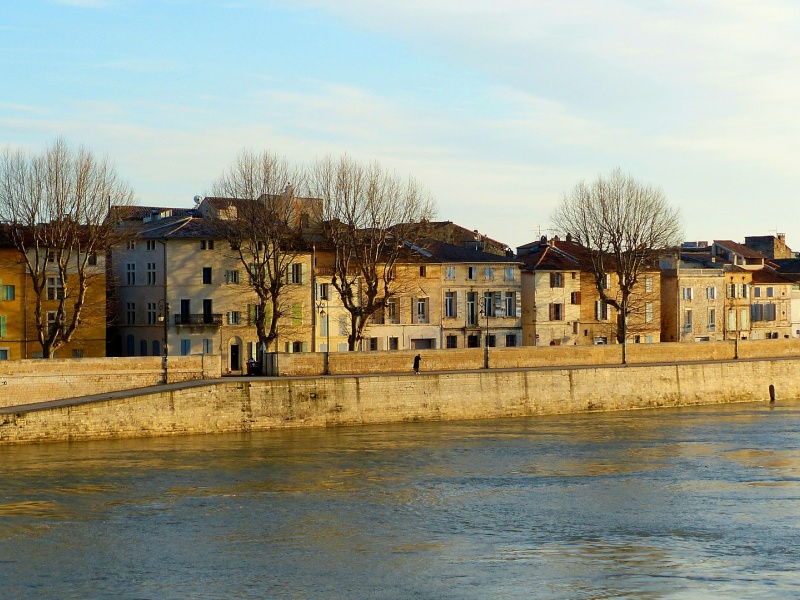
498 108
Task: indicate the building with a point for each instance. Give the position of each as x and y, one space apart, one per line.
693 294
773 247
565 278
770 305
18 328
551 292
179 283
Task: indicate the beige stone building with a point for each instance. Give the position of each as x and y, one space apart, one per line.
551 292
178 282
693 299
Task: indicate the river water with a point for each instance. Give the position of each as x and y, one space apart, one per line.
674 503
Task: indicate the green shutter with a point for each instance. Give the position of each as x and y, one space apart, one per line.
302 273
305 346
297 315
251 314
2 326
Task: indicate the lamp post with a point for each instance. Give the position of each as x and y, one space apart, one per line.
485 310
322 315
163 317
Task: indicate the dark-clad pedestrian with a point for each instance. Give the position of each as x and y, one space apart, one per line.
417 358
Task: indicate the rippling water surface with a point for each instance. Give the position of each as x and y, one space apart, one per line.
686 503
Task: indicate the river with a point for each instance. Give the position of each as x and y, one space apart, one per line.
672 503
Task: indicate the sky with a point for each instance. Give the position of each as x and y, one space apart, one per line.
497 107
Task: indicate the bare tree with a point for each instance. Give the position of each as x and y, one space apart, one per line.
56 207
622 224
371 217
265 232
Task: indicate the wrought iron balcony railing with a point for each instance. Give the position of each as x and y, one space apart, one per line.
211 319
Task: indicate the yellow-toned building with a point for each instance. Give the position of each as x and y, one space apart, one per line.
445 296
18 332
694 296
561 303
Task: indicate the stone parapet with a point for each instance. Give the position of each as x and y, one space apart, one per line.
244 405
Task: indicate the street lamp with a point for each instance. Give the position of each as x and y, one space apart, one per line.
322 315
484 311
163 317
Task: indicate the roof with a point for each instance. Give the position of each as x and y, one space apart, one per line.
740 249
770 276
546 257
444 252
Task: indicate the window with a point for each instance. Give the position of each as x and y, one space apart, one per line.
756 292
509 275
323 324
294 274
449 304
687 320
648 312
491 341
323 291
206 275
373 343
686 293
556 311
648 285
206 244
131 312
712 320
393 343
52 322
422 270
142 347
473 341
55 288
511 340
234 317
511 305
344 328
151 313
151 245
451 341
556 280
9 293
3 353
131 245
130 269
472 310
488 273
487 304
575 298
77 353
186 347
770 292
208 346
601 310
471 272
421 311
92 261
391 310
711 293
450 273
232 276
151 273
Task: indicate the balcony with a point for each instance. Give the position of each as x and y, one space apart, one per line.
211 319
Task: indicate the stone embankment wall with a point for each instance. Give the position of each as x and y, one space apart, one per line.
30 381
244 405
353 363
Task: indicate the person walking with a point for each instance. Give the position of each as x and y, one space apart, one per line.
417 358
